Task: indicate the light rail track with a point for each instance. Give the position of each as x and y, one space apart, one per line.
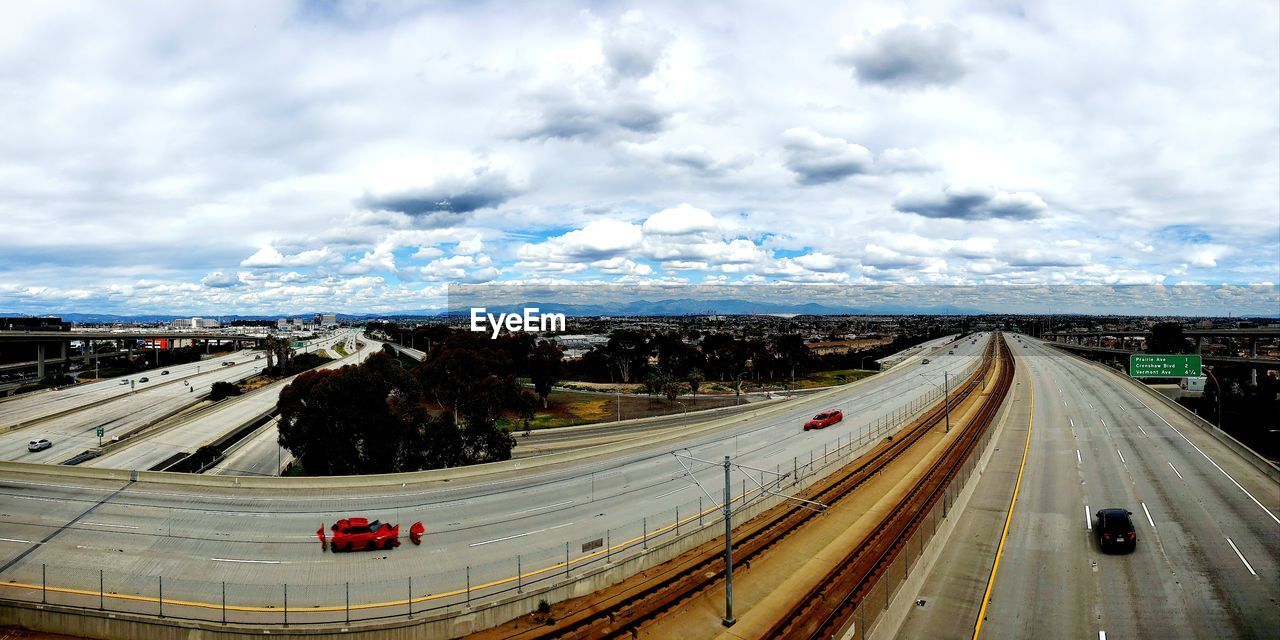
622 613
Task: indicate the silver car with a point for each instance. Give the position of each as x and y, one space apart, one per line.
39 445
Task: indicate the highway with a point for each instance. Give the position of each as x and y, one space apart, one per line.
485 525
544 441
227 415
33 406
1207 562
260 454
75 432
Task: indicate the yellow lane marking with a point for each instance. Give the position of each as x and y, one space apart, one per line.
991 580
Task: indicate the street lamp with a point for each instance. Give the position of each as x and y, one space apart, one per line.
737 389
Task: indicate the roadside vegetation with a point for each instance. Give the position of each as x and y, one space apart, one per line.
381 417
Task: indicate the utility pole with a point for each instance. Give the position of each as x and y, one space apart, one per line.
728 619
946 393
727 509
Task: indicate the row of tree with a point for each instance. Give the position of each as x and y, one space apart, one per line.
663 361
455 408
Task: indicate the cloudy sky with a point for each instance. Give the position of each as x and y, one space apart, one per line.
274 157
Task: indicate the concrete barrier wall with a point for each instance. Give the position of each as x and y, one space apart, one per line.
888 625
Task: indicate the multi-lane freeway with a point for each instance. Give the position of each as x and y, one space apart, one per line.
29 407
117 413
1208 557
189 434
490 526
1207 561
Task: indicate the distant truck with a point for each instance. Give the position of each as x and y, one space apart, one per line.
1193 385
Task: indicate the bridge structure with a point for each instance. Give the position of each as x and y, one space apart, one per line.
1094 342
54 347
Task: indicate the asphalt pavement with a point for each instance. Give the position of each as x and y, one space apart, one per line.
488 527
1207 561
187 435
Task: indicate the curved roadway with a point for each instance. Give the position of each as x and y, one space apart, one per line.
484 527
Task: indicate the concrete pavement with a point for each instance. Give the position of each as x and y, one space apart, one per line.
256 540
1207 563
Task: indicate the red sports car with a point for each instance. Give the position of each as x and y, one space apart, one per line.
358 534
825 419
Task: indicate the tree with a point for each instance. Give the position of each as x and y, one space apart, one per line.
1166 337
723 355
354 420
628 352
675 356
694 378
545 363
791 351
279 351
670 387
655 382
221 390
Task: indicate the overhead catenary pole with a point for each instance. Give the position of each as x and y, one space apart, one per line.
946 392
728 619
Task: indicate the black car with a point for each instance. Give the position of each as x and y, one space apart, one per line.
1115 531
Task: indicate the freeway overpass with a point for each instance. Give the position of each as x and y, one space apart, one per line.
59 342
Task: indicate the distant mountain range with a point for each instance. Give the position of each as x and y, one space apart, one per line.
692 307
669 307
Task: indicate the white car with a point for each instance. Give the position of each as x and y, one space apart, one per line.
39 445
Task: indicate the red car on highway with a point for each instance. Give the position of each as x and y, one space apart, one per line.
359 534
824 420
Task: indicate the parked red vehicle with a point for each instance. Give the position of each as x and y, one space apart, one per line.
358 534
824 420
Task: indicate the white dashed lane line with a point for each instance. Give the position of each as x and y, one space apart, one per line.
1241 556
521 535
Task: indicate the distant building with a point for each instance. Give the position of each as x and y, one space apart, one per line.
295 324
834 347
327 319
34 324
195 324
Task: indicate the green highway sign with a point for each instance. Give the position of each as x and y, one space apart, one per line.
1144 365
100 432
